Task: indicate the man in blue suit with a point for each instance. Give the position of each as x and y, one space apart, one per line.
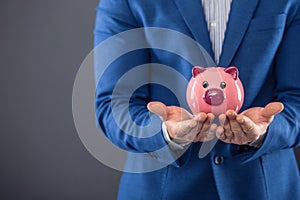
253 158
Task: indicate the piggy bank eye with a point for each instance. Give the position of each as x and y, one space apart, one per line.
205 84
223 85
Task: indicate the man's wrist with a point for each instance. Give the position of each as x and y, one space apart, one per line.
257 143
171 142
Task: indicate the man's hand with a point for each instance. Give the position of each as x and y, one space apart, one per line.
247 126
183 126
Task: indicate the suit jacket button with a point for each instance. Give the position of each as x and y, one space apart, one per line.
218 160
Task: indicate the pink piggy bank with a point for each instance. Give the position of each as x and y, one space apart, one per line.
215 90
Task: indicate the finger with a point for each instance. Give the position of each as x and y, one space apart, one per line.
223 119
227 135
211 133
220 133
226 127
248 127
202 117
207 124
181 113
231 114
158 108
237 134
234 125
207 136
213 128
272 109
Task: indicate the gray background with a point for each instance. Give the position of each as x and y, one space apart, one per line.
42 44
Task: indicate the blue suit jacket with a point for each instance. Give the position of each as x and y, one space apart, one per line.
263 40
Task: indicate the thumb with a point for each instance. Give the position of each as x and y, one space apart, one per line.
272 109
158 108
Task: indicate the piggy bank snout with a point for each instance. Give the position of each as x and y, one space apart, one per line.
214 96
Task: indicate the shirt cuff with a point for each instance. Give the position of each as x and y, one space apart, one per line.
170 142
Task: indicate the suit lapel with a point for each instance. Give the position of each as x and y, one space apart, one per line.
193 15
239 19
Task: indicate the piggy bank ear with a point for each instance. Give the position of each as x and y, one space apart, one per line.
233 71
197 70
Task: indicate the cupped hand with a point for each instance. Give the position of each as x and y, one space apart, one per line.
247 126
182 126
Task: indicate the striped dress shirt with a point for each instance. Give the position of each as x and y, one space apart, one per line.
216 15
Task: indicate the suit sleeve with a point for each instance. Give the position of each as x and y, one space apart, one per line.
284 131
122 113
